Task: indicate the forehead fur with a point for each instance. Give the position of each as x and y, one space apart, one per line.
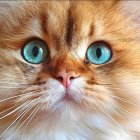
66 22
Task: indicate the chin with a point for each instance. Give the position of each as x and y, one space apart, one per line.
70 122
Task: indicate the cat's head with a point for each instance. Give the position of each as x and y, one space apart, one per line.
81 55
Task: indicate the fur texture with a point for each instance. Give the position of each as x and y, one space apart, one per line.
106 98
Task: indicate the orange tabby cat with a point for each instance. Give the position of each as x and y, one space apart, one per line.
69 70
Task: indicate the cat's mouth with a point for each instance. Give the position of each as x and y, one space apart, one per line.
67 97
70 96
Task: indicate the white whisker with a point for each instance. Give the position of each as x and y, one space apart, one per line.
31 118
112 119
10 113
25 111
25 104
12 122
8 109
16 96
36 108
110 109
127 113
122 99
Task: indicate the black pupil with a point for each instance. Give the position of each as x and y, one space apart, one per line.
35 51
98 52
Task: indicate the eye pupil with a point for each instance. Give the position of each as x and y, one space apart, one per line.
35 51
98 52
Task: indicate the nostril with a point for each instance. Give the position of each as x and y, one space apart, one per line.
71 78
74 77
60 78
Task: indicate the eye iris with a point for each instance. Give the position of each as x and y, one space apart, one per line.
35 51
98 53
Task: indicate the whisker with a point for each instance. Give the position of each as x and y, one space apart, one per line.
27 103
108 84
8 109
11 83
115 97
31 118
102 110
110 109
20 116
112 119
17 96
9 87
122 99
23 113
12 122
30 103
127 113
36 108
10 113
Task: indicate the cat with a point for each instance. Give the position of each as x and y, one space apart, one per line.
69 70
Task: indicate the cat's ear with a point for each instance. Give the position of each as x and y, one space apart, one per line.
132 9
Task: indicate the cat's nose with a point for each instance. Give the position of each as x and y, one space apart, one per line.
66 77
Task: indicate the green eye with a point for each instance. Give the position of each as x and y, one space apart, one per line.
99 53
35 51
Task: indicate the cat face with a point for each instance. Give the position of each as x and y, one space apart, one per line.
58 56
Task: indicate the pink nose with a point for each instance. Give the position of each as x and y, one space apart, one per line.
66 77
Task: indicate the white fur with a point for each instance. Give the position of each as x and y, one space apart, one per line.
72 126
68 121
